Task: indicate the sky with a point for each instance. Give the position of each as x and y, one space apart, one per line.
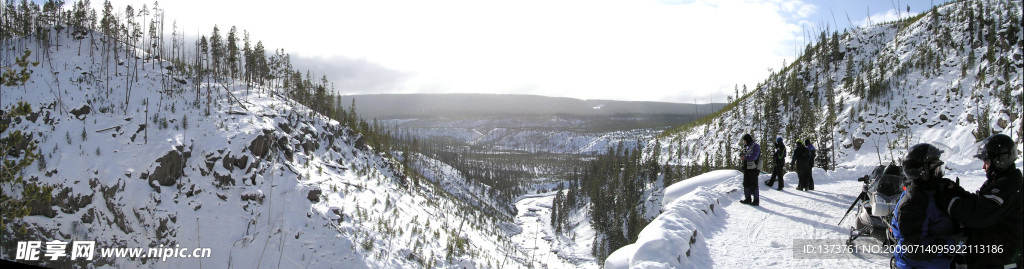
638 50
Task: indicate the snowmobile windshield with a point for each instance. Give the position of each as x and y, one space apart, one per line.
887 185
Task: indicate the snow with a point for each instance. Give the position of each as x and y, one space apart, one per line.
940 105
364 217
708 228
537 239
691 184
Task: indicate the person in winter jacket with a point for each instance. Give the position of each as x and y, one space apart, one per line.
921 228
800 156
994 215
751 155
811 155
780 161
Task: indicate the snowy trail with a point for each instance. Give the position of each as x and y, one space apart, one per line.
759 237
703 225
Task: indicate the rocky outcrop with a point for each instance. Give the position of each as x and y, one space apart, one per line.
81 112
171 168
314 195
261 145
231 163
70 203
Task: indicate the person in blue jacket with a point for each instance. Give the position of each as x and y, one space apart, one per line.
921 229
748 161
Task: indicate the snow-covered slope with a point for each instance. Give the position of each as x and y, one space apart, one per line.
934 78
260 180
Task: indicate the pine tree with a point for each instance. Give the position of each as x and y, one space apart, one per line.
216 52
232 51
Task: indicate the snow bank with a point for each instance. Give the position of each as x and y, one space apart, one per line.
675 239
689 185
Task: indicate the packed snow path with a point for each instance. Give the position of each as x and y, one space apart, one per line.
703 225
763 236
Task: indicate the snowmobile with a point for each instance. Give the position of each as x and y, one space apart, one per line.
876 203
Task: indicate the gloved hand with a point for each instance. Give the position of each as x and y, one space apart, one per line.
946 192
953 188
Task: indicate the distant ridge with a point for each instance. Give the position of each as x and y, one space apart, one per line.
450 105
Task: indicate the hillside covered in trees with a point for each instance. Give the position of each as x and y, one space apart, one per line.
125 132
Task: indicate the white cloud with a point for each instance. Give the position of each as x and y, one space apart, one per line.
628 50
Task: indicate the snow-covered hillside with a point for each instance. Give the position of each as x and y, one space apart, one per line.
940 77
258 179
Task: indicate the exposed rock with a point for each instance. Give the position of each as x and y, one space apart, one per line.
70 204
222 181
260 146
171 168
314 195
286 149
89 216
231 163
81 112
253 196
211 160
310 146
284 127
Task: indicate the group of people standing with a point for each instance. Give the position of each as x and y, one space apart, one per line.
803 160
934 213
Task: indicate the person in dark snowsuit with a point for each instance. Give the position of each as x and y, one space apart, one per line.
811 155
800 156
780 161
918 220
994 215
751 155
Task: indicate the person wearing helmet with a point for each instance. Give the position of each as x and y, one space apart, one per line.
918 221
800 156
780 161
994 215
751 155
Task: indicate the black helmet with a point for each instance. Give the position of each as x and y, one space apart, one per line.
1000 150
922 162
747 138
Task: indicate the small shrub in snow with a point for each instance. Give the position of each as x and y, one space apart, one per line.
42 162
367 245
